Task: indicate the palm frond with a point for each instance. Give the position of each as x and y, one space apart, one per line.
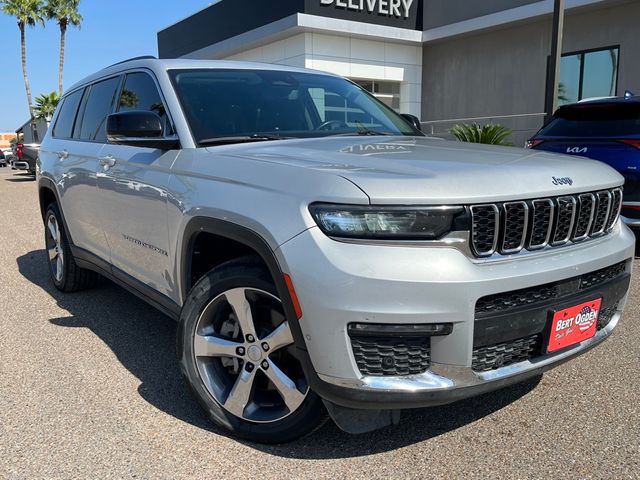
490 134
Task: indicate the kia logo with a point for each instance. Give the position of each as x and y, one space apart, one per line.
577 150
562 181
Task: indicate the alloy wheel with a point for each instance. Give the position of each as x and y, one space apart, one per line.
244 353
54 248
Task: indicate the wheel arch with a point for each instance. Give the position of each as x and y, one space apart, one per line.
47 194
252 241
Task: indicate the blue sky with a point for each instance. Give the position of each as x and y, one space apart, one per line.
112 31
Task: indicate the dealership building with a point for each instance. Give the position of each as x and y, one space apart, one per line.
444 61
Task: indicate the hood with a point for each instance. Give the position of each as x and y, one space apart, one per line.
409 170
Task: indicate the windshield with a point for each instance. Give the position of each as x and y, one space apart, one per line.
269 105
599 120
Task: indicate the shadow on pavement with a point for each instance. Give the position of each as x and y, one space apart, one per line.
143 340
21 178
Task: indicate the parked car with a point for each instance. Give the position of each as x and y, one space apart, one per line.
3 159
606 129
319 253
28 145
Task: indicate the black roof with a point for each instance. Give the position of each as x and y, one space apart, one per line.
607 101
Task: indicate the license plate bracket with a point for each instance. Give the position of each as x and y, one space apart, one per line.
573 325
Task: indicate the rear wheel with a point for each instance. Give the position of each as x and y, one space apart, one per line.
66 275
237 354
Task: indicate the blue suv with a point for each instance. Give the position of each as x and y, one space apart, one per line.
604 129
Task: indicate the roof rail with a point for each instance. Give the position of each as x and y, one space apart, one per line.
143 57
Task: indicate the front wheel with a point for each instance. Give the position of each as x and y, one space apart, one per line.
237 355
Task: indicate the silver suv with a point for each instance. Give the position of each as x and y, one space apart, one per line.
320 254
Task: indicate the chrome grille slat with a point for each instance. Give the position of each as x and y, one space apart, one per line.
542 223
514 231
616 207
584 219
484 229
564 220
509 227
602 213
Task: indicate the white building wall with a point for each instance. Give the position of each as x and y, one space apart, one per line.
350 57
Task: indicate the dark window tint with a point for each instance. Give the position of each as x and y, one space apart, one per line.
601 120
140 93
99 106
222 103
67 115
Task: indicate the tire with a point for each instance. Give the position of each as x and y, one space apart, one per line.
65 273
237 364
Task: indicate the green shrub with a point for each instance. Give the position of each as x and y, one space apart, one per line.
488 134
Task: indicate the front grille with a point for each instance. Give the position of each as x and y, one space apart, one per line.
484 229
516 215
391 356
616 206
602 215
606 315
500 302
507 353
565 218
587 209
510 227
603 275
517 298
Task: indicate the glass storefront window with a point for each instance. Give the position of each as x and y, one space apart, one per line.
587 74
386 92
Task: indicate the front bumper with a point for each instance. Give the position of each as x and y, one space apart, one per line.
341 283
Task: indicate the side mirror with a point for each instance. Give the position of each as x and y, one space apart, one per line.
413 120
139 129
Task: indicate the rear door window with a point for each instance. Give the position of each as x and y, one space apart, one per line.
600 120
99 105
67 116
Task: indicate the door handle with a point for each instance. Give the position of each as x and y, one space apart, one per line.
63 155
107 162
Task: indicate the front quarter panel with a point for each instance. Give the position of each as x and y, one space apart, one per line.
268 199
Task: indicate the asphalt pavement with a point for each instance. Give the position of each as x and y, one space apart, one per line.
90 388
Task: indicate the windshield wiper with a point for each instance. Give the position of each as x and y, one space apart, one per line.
257 137
362 131
365 132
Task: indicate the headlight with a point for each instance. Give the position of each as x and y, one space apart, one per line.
387 223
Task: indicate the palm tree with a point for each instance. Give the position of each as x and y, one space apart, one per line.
65 12
28 13
45 106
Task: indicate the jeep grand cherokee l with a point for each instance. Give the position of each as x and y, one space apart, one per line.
320 253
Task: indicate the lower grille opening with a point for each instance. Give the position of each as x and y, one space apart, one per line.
391 356
606 315
503 354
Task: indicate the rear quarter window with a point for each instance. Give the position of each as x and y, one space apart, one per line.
67 116
601 120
